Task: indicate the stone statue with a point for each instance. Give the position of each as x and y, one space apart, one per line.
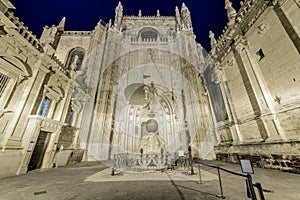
186 18
150 92
118 16
75 65
151 142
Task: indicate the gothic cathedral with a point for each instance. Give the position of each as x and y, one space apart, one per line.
143 85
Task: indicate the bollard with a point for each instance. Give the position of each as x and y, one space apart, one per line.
260 191
113 171
251 188
192 168
221 188
200 177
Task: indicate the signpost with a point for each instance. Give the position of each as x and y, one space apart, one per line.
246 166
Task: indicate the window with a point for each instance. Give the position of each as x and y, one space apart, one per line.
149 34
260 54
70 118
3 83
45 107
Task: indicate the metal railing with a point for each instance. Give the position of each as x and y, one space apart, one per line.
250 185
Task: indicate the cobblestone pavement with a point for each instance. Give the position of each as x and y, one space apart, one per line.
93 181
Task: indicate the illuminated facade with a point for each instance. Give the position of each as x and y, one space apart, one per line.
74 95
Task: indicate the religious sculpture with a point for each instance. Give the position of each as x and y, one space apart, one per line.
75 63
150 92
118 16
151 142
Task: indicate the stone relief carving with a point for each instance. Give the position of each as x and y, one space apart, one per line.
261 28
230 62
76 105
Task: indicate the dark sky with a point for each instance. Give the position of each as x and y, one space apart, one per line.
84 15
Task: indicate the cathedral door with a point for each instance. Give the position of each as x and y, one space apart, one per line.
39 151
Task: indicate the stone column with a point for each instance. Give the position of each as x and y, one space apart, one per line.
259 95
232 117
24 107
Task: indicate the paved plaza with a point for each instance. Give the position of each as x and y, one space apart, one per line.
93 180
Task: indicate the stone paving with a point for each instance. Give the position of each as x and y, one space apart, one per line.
93 181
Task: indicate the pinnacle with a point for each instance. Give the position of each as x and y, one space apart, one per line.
62 23
227 1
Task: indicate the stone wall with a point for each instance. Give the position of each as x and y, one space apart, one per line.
259 70
282 155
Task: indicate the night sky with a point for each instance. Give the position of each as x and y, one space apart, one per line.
84 15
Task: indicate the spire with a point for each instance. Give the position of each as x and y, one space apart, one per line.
178 18
177 11
231 13
118 16
158 13
140 13
213 40
61 25
186 18
213 43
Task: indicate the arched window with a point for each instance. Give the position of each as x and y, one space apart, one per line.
75 59
149 34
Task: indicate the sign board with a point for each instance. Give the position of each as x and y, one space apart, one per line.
246 166
180 153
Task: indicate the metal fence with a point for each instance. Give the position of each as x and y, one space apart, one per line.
249 183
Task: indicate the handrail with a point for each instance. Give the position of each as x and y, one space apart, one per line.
250 186
217 167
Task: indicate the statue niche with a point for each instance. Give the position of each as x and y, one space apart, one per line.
75 59
151 141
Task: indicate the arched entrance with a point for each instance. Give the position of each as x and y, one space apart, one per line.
131 92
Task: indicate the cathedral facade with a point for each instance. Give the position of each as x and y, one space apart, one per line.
142 84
